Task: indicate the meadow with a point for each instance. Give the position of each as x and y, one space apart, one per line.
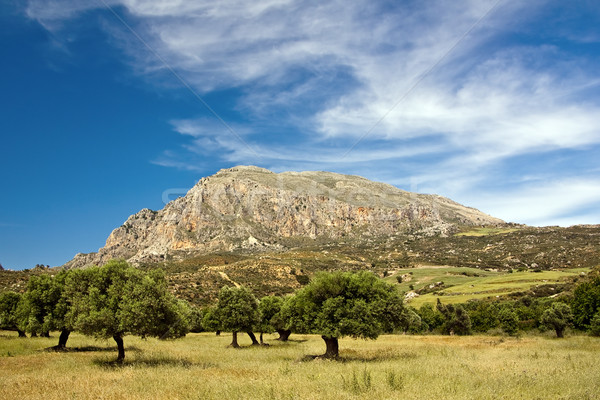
462 284
201 366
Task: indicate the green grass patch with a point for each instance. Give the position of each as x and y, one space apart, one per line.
492 285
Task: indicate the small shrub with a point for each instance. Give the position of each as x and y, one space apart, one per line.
509 322
394 381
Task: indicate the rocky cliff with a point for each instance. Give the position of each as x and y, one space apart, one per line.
254 208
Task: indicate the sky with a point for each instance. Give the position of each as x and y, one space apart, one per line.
111 106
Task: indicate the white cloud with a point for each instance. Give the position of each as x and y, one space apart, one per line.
332 70
562 202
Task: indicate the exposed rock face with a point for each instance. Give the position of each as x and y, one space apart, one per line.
251 207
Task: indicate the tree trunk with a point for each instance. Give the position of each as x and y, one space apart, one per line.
33 334
45 334
62 339
253 337
261 338
559 332
332 347
234 342
119 339
284 334
218 333
21 333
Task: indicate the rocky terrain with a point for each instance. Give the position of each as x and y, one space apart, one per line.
254 209
272 232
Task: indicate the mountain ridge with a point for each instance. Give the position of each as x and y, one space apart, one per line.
248 208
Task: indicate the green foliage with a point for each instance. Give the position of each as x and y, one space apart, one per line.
340 304
194 317
210 320
484 316
269 309
595 325
411 321
557 317
509 321
456 319
237 309
586 303
9 303
118 299
44 304
431 318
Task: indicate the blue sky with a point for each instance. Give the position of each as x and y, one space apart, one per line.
108 104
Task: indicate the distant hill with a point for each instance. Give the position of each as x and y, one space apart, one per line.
249 209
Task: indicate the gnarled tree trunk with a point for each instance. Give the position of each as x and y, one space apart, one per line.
253 338
332 347
234 342
284 334
119 339
62 339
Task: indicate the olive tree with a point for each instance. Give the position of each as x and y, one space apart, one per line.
268 308
44 307
341 304
210 320
117 299
9 303
557 317
237 311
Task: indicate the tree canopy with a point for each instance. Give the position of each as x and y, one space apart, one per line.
341 304
236 311
9 303
269 308
557 317
586 302
117 299
44 306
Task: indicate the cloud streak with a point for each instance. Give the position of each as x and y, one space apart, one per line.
311 78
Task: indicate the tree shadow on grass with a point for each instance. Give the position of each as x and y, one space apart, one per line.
84 349
290 341
362 356
153 361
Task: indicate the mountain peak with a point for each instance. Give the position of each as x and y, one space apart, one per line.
249 208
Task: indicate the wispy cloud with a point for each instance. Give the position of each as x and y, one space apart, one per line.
313 77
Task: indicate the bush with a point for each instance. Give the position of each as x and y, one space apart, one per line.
509 322
456 319
595 325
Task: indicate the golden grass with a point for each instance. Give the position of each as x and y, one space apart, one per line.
201 366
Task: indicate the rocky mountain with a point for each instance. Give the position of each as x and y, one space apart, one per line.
254 209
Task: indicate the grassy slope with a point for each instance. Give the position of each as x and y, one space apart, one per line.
201 366
464 284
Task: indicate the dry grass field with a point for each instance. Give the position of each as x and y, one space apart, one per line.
201 366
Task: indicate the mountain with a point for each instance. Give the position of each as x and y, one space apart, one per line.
252 209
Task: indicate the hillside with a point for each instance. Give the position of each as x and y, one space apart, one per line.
254 209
